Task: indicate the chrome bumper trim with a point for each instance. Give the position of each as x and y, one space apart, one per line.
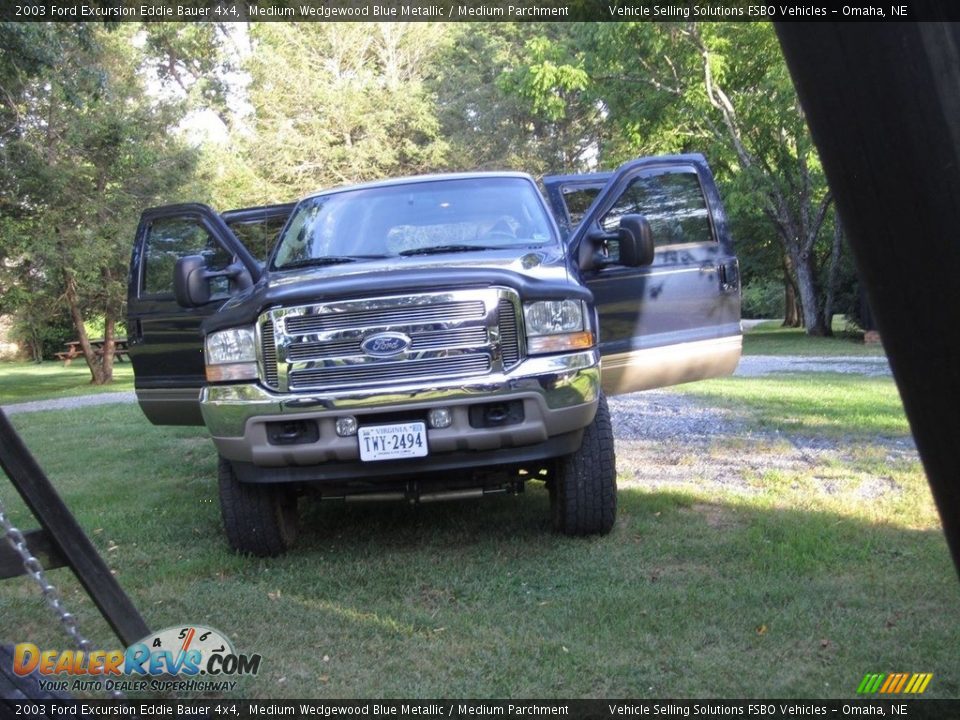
553 384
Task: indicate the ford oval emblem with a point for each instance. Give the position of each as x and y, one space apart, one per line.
386 344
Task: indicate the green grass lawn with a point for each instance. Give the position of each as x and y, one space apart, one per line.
771 339
783 591
834 405
23 381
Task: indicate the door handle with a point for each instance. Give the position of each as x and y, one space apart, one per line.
729 277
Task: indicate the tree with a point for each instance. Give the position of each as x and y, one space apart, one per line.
717 88
194 61
86 148
516 96
723 87
339 103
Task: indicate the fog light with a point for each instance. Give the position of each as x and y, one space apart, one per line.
346 426
440 418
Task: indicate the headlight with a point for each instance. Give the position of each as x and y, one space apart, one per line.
556 326
231 355
549 317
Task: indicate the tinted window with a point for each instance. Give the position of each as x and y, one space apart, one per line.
673 204
259 236
393 219
170 239
577 201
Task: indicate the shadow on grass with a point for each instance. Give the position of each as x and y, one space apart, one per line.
694 594
686 598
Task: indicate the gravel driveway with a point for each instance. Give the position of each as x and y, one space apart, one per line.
668 439
71 402
753 365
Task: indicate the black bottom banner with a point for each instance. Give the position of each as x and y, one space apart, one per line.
436 709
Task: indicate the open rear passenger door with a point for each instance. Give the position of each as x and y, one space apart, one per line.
166 347
673 316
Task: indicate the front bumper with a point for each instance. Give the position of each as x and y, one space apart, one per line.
559 395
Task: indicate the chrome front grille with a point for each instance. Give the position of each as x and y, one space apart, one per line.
268 353
405 314
441 339
509 337
341 375
321 346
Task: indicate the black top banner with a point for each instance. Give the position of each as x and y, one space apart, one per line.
473 10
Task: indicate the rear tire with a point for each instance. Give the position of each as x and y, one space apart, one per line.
259 519
583 491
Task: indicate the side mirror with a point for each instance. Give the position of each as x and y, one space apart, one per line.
191 280
636 241
190 287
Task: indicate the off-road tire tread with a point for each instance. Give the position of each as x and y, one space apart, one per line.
253 514
584 491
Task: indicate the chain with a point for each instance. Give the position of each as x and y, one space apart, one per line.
50 594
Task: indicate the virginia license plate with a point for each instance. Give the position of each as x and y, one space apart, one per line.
390 442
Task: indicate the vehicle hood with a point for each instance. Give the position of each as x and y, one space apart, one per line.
536 274
545 264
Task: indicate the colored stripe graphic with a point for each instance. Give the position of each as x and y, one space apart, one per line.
894 683
870 683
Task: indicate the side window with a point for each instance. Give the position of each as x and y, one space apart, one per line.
673 204
259 236
577 200
170 239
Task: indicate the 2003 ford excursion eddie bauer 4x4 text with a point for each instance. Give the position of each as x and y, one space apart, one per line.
430 337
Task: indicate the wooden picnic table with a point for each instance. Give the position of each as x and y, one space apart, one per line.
120 349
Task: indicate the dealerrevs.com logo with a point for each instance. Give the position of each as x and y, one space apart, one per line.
178 659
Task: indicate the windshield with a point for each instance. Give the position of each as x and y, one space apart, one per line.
417 218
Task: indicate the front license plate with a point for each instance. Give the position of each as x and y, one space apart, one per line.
389 442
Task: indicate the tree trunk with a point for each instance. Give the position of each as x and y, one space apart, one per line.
89 354
866 313
792 316
832 273
109 345
813 321
36 347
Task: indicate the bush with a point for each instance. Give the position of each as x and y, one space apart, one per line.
762 299
38 336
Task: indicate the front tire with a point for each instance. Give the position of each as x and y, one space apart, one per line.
259 519
583 491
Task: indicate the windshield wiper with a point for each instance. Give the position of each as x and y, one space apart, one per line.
326 260
436 249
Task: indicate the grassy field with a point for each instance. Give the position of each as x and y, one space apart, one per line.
832 405
772 339
22 381
786 590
